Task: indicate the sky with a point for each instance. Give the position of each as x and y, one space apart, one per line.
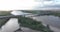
29 4
48 4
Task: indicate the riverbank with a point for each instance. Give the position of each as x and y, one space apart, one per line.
55 29
13 25
25 29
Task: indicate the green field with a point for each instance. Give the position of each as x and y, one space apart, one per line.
25 22
28 22
4 13
55 13
33 24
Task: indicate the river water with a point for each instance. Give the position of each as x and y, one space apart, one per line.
51 20
10 26
13 25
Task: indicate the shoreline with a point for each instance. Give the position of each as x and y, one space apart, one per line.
55 29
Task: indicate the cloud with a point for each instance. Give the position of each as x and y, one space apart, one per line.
53 4
16 4
47 0
28 4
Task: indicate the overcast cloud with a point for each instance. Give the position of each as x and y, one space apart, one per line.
50 4
28 4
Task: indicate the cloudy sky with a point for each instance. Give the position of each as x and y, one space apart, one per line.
29 4
48 4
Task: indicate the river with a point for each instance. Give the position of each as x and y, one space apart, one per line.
13 25
51 20
10 26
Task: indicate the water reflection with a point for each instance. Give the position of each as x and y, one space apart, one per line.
51 20
11 25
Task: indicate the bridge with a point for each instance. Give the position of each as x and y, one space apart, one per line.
17 16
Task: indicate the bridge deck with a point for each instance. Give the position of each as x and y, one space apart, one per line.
9 16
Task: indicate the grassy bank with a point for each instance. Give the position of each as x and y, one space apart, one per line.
28 22
34 12
3 21
5 13
33 24
55 13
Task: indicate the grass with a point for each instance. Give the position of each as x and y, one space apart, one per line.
3 21
45 12
33 24
34 12
56 14
28 22
5 13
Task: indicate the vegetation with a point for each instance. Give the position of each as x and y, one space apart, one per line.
55 13
28 22
4 13
34 12
3 21
33 24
